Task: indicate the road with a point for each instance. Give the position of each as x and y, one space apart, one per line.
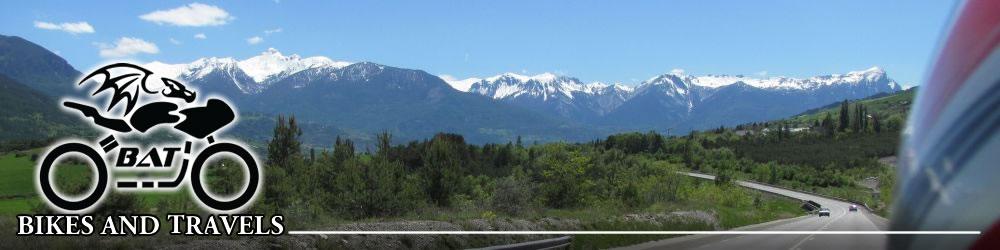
840 220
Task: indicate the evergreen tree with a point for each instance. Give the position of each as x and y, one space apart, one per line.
860 123
283 158
442 170
844 116
285 144
342 150
827 124
864 118
876 124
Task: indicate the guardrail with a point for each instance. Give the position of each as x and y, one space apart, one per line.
553 243
863 205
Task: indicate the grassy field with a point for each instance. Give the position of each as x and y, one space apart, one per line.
17 183
16 175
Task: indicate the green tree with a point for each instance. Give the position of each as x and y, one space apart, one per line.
283 157
876 124
844 116
224 177
563 179
442 171
827 124
285 144
512 194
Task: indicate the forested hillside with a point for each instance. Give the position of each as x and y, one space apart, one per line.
28 115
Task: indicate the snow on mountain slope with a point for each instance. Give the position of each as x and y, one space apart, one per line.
268 67
677 93
272 63
460 84
872 74
545 86
227 68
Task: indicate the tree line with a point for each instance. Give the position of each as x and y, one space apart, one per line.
631 171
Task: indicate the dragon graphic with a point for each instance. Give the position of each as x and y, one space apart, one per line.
125 83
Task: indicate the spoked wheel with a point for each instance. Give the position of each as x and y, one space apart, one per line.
253 176
46 168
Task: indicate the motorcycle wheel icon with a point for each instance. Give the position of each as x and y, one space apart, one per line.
103 175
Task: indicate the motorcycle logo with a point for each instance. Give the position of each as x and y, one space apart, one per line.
161 101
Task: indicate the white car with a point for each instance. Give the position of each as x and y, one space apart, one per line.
824 212
854 208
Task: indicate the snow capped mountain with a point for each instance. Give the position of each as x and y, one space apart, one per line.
692 102
460 84
272 63
872 74
511 85
675 96
250 75
272 82
546 85
547 92
353 99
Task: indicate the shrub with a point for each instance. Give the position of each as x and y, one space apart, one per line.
512 195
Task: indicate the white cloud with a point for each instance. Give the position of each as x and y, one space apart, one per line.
448 78
194 15
127 46
677 71
762 73
269 32
255 40
175 41
200 36
72 28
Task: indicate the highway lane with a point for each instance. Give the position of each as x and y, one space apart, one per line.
840 220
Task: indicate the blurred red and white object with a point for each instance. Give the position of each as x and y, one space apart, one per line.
949 170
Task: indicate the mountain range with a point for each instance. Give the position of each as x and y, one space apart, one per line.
677 101
356 100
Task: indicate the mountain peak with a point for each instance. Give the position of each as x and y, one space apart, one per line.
460 84
265 67
510 75
271 51
872 74
544 86
544 78
272 63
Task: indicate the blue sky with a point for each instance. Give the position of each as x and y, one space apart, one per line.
608 41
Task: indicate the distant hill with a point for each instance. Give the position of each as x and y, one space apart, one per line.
809 142
891 107
36 67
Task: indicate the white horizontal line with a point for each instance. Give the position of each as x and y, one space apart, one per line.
630 232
